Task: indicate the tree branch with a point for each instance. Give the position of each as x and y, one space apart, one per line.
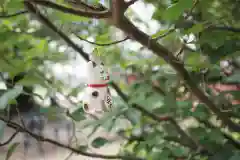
77 151
118 8
89 14
3 16
184 135
102 44
126 26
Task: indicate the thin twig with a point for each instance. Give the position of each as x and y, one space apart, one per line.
75 150
78 12
191 10
165 34
69 156
11 138
13 14
180 50
20 117
103 44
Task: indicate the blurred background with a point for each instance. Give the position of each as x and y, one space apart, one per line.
47 58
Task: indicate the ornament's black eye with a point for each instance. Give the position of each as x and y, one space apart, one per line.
95 94
85 106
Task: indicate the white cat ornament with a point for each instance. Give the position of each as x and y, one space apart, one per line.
97 97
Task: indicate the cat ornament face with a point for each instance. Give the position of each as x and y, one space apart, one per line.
96 98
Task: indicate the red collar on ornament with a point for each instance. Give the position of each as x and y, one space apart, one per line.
99 85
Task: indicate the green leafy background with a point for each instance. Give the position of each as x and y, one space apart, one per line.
193 26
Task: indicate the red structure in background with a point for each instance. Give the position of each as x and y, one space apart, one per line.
218 88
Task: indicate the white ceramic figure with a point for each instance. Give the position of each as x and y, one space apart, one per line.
96 98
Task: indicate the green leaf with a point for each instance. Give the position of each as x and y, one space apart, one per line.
8 24
49 110
200 112
115 112
215 135
179 151
225 153
109 125
170 101
235 78
133 116
140 149
163 154
30 80
78 115
160 33
75 91
154 101
214 72
236 156
139 92
196 28
213 38
196 61
69 18
14 5
99 142
175 10
198 132
38 51
11 149
56 57
52 112
10 95
227 50
104 38
235 94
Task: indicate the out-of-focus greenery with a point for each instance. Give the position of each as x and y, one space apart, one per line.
202 33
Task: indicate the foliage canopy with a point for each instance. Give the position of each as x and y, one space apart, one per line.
176 108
